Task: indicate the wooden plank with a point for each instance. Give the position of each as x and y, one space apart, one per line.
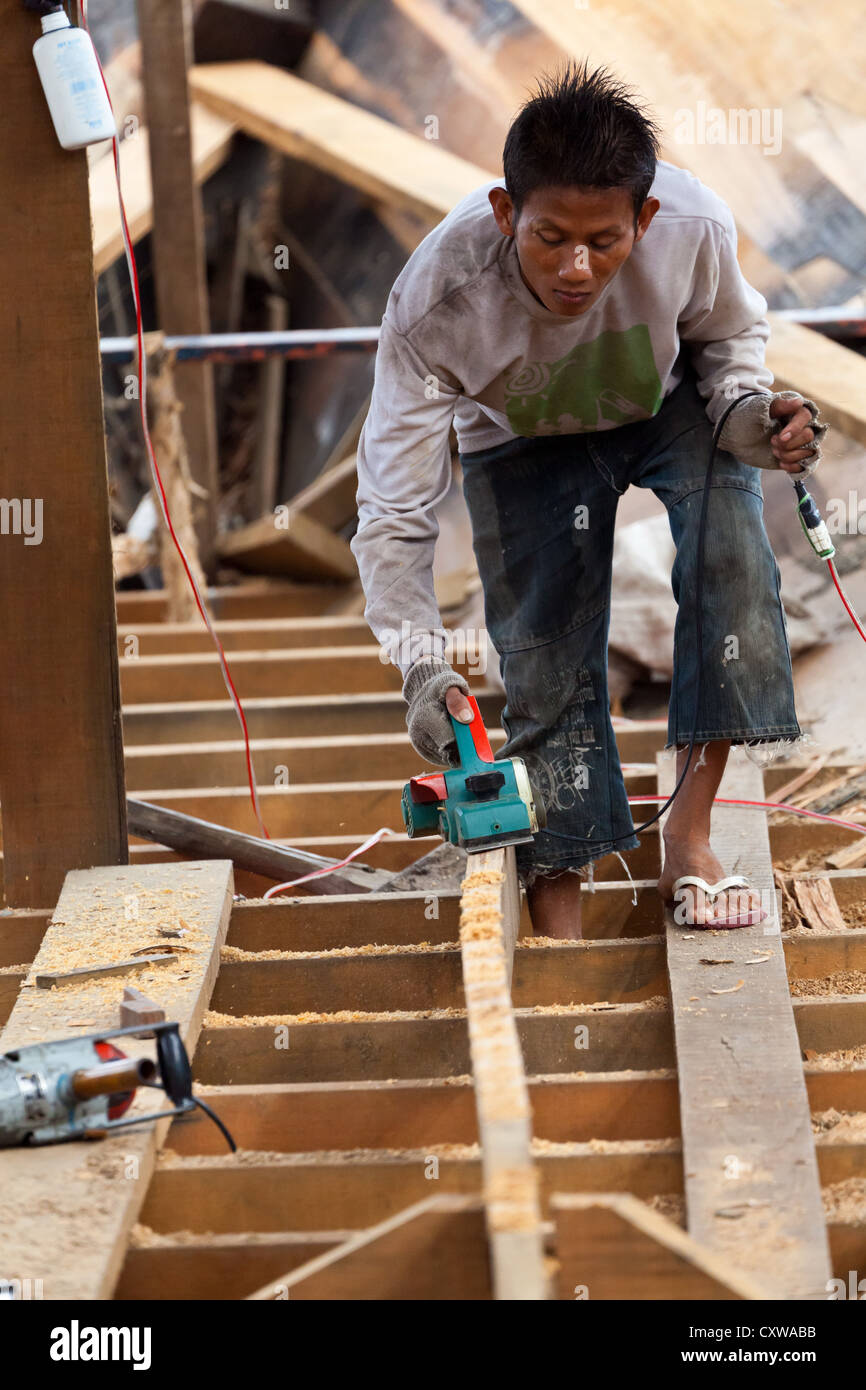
414 1114
250 634
310 760
223 1267
827 372
489 923
61 766
252 599
435 1250
67 1210
416 978
747 1134
615 1247
411 1045
212 137
179 265
309 1192
308 123
318 671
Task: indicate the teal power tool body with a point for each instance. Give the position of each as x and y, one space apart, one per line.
478 805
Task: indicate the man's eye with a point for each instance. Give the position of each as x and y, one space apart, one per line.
550 241
603 246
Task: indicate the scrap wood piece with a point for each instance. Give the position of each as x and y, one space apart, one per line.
745 1116
850 855
50 979
489 923
66 1210
614 1246
289 543
330 498
817 903
432 1250
189 835
784 793
310 124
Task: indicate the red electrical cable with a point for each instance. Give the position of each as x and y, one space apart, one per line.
851 614
199 599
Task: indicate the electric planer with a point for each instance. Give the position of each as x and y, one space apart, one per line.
478 805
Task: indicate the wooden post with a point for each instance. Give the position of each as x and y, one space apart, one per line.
61 759
165 27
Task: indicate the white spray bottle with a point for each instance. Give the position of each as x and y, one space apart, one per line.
69 71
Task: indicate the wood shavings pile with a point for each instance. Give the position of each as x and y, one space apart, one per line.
229 953
217 1020
840 982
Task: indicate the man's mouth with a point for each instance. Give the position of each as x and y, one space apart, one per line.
573 296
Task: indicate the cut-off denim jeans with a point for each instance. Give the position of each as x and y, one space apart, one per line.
542 512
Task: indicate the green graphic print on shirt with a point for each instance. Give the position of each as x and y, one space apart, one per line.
611 380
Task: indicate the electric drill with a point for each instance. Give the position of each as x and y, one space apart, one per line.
81 1088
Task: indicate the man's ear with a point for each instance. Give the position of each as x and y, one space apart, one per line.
645 216
503 210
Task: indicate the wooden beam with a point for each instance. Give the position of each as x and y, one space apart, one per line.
180 270
747 1136
489 923
432 1251
289 543
415 1114
330 498
315 671
68 1209
615 1247
61 765
212 138
308 123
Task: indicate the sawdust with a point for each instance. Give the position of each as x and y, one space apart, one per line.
840 1126
671 1205
554 1148
845 1202
836 1061
658 1001
213 1019
840 982
258 1158
230 953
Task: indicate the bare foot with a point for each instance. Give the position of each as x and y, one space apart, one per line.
555 906
691 854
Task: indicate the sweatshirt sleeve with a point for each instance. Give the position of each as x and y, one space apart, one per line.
404 472
725 323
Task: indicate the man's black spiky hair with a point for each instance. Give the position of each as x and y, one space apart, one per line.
583 129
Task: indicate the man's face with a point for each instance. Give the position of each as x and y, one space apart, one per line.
570 241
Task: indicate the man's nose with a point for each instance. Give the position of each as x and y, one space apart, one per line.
575 268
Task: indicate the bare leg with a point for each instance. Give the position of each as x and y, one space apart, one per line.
687 833
554 906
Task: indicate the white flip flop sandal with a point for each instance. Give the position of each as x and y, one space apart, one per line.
712 891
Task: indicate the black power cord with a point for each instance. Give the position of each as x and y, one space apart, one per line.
699 638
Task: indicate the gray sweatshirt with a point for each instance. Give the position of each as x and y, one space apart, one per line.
463 339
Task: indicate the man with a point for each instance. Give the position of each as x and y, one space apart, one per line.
584 325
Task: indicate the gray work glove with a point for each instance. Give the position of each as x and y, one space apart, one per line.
428 721
749 428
